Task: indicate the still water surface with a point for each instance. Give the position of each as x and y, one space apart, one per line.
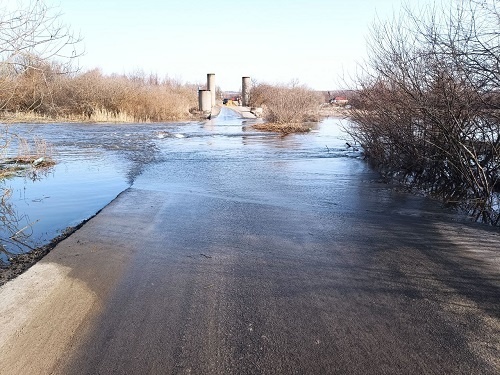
223 156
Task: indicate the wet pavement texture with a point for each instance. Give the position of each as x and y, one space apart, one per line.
237 252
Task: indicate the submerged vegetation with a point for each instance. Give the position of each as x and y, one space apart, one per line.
32 159
430 113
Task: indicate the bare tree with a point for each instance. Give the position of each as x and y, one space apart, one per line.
35 29
31 35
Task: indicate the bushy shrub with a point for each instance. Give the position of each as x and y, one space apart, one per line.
286 104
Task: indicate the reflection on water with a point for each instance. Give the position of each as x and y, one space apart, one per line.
16 229
221 156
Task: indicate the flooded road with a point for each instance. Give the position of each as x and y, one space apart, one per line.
96 162
235 251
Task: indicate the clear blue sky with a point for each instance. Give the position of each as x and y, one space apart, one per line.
314 41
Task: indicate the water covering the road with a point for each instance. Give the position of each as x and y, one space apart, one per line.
220 157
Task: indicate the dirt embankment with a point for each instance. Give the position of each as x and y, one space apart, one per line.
40 313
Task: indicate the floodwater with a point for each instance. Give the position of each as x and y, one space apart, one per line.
220 157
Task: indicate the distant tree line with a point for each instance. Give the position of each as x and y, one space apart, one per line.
428 103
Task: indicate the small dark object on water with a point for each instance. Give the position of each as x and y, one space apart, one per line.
349 146
209 117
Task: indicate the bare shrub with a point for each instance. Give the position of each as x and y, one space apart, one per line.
286 104
430 113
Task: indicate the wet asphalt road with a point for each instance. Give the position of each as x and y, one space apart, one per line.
222 265
227 287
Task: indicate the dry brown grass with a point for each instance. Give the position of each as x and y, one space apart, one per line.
28 117
284 128
328 110
102 115
43 94
29 152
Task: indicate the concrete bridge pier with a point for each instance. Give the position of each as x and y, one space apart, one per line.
211 87
245 91
205 100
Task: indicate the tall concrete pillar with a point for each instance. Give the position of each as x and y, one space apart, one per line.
211 86
205 100
245 91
